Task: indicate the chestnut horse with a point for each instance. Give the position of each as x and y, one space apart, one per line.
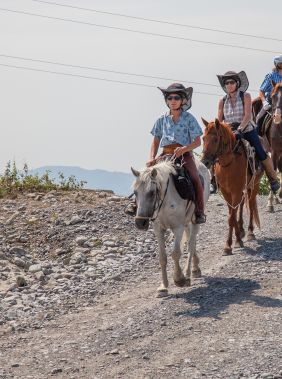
233 178
273 135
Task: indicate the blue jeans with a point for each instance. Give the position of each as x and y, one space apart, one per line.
253 138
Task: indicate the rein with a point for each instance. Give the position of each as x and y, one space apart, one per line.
157 207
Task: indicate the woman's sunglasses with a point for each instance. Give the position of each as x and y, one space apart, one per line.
229 82
176 97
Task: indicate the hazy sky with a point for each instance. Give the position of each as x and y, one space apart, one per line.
49 119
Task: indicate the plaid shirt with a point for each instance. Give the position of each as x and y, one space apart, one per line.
236 113
266 86
184 131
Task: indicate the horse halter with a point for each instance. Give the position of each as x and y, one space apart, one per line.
157 205
221 148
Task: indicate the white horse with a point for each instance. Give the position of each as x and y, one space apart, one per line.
158 201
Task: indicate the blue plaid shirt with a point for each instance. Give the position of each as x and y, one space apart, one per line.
184 131
266 86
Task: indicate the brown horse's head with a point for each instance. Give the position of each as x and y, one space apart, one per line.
277 102
218 140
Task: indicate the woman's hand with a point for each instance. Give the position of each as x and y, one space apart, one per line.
180 151
151 162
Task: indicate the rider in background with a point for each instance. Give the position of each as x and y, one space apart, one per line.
236 109
266 88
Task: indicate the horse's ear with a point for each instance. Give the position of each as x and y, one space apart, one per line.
135 172
273 83
154 173
205 122
217 123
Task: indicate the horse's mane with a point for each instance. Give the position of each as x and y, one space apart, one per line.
164 169
276 89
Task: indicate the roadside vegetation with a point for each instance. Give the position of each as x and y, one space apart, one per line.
14 181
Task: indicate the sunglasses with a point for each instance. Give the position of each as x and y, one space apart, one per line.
229 82
176 97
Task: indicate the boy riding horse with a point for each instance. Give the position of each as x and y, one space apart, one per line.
178 133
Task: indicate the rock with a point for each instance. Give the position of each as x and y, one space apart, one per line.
75 220
35 268
18 251
21 281
80 240
12 218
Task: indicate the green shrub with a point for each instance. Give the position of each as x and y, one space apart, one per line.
13 181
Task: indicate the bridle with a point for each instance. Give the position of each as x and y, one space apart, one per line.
157 205
221 148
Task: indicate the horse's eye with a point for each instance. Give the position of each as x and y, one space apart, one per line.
151 193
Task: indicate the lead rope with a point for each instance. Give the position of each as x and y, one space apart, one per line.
250 161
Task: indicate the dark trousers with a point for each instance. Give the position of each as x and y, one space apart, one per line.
253 138
190 166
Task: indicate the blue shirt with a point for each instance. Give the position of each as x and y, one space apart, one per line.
266 86
183 132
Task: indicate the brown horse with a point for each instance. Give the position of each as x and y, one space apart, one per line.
273 134
233 178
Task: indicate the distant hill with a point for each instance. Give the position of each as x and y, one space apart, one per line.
119 182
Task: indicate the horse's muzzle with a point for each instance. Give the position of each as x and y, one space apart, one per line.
142 223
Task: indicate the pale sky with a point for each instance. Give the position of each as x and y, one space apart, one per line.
49 119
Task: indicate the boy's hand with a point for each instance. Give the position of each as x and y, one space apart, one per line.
179 151
151 162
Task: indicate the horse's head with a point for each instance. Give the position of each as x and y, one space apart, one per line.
146 193
277 102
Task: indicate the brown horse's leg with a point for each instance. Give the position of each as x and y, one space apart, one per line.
241 220
254 216
228 244
239 242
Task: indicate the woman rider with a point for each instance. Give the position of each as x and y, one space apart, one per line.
266 88
236 109
178 133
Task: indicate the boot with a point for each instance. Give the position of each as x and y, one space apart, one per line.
271 174
131 209
200 217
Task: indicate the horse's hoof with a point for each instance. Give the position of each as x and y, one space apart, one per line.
227 251
251 237
162 292
183 282
270 209
239 244
242 233
196 273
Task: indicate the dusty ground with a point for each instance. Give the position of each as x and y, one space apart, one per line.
226 325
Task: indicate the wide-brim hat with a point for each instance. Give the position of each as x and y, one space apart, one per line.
240 77
277 60
186 94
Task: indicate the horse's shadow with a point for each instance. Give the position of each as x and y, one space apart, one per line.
219 294
269 250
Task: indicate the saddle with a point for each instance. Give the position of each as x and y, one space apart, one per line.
183 183
253 162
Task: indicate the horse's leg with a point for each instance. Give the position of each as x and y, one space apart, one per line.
270 207
241 220
191 232
280 191
228 244
238 231
253 213
178 277
162 290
